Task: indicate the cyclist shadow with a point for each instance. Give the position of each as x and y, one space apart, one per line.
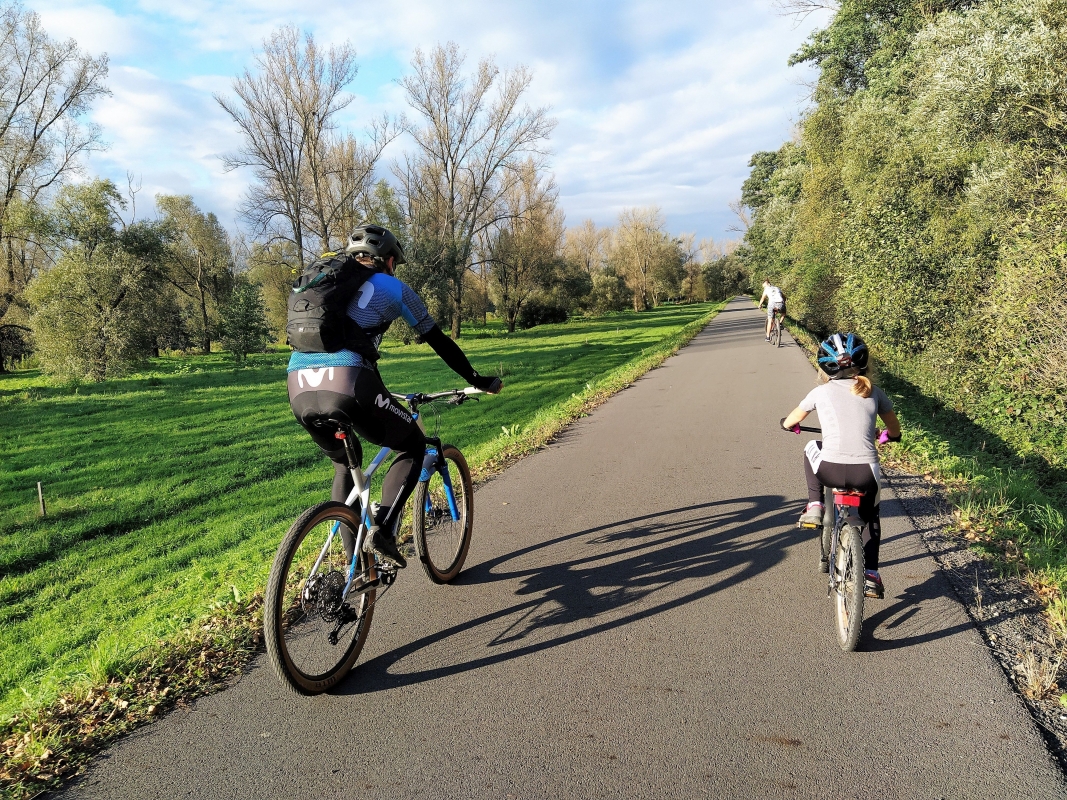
924 612
622 572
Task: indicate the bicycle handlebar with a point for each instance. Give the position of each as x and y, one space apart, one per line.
456 396
798 428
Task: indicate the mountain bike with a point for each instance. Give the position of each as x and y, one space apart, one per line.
323 587
776 330
841 557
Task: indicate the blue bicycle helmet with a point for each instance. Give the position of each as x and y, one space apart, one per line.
842 355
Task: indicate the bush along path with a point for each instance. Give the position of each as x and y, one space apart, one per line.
44 743
997 536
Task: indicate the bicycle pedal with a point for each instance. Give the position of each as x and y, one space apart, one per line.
807 526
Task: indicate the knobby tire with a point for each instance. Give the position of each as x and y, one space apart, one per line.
441 542
296 637
848 596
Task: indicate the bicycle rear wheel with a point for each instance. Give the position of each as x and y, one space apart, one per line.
848 595
776 333
313 637
441 539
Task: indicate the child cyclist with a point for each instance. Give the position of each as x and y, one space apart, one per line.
847 458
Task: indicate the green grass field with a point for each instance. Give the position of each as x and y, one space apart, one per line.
168 491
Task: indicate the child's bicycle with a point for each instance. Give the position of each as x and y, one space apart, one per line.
323 587
841 555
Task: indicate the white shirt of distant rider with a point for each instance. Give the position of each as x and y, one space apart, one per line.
773 295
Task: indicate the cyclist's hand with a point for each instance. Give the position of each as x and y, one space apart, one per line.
795 429
487 383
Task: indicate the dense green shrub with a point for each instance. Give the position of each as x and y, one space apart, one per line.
924 203
541 312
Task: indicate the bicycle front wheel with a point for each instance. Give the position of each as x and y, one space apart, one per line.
314 635
848 597
444 517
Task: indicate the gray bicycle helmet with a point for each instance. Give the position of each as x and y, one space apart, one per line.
375 241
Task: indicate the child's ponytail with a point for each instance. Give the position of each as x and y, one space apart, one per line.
862 387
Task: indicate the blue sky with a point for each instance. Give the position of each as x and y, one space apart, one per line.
658 103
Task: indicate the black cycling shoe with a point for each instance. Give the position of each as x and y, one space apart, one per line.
384 546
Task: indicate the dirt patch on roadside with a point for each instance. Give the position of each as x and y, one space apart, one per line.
1006 611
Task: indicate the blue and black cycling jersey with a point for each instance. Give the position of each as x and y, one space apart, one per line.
380 300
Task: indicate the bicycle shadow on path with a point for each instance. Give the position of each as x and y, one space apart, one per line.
914 602
637 570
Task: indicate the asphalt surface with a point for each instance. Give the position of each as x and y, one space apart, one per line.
639 617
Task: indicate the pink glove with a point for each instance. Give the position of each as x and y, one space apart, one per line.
883 437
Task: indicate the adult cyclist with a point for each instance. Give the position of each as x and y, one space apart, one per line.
847 458
775 301
345 386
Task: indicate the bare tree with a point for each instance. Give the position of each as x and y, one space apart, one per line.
585 245
799 10
637 249
472 137
741 212
309 179
692 283
46 87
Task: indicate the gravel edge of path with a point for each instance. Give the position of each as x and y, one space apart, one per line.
1005 610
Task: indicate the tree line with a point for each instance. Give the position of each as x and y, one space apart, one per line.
92 285
923 202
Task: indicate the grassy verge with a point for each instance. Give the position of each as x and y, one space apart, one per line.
168 491
1010 507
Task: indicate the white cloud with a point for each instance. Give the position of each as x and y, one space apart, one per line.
168 135
658 102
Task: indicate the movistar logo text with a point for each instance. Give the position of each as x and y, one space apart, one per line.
313 376
383 402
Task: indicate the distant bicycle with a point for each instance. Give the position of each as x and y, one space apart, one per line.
323 587
776 329
841 556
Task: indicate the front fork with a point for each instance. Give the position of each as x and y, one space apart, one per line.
434 461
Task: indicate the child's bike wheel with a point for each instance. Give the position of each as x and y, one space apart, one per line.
313 638
441 541
848 597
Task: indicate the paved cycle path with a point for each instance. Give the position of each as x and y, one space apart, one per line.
639 618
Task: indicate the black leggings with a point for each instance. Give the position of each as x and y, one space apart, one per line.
357 395
861 477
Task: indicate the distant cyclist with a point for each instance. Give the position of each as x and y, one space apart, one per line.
775 301
847 458
346 386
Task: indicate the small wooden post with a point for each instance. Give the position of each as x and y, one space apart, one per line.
40 498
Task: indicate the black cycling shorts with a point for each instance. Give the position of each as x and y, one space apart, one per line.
355 395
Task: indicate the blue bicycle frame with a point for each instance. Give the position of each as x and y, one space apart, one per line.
361 480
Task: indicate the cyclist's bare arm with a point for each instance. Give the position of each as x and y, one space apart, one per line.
796 416
892 424
763 297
